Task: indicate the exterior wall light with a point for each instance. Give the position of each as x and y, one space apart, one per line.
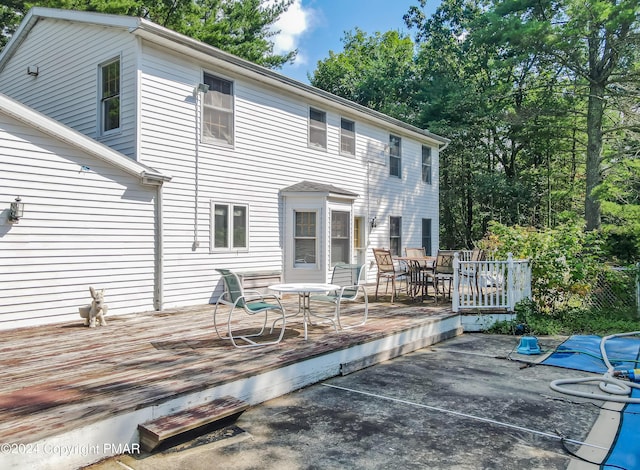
373 223
16 210
200 88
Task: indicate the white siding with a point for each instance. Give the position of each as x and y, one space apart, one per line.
81 228
270 152
66 89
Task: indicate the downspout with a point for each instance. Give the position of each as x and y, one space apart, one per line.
158 293
158 237
196 242
198 91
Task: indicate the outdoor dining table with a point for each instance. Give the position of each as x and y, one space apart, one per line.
304 291
419 268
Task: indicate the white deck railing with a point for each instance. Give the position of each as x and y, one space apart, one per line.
489 284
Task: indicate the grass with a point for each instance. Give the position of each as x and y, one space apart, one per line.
531 321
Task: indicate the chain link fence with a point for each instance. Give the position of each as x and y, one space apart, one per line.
616 289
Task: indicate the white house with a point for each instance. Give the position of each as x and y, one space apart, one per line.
146 159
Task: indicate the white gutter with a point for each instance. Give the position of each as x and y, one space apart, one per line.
203 52
190 47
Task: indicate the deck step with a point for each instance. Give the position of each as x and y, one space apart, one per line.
153 433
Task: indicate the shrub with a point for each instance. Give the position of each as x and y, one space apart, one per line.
565 261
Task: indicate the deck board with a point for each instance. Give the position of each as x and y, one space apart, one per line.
61 377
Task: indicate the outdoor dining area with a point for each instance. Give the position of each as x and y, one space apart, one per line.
347 285
460 278
468 279
415 272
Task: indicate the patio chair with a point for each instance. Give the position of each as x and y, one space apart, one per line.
443 273
469 273
419 269
415 252
388 271
249 303
350 278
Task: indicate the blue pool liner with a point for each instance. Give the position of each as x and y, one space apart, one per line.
625 450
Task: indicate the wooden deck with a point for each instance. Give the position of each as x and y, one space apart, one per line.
63 377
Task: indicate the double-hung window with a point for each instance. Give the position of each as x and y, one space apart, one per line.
426 236
347 137
317 128
426 164
340 237
110 96
305 238
230 229
395 235
395 156
217 111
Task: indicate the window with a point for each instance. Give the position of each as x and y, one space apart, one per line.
395 157
317 128
305 238
395 235
358 233
217 111
230 227
426 164
426 236
347 136
110 96
340 237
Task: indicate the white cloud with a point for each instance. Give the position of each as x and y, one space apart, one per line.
292 25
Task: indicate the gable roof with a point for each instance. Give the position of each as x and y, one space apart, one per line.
182 44
57 130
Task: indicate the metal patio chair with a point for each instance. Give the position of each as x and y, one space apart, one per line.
415 252
249 303
419 269
350 278
388 271
443 273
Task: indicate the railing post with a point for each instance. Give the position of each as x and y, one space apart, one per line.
455 296
529 280
510 284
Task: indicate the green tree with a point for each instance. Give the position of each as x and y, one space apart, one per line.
596 41
241 27
375 71
508 125
11 12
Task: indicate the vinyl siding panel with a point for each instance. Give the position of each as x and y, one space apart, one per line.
96 227
81 228
270 152
66 89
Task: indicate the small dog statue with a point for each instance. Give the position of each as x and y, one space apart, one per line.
96 311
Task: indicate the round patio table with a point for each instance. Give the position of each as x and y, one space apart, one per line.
304 290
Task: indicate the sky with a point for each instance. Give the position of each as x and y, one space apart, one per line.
315 27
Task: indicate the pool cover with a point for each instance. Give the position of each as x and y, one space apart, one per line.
583 353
